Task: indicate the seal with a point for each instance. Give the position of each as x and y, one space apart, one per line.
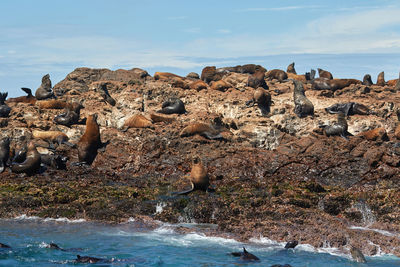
350 108
290 69
245 255
302 105
198 177
54 161
337 128
173 105
248 68
381 79
4 153
88 259
279 75
4 109
367 80
198 85
397 85
210 73
44 91
257 80
4 246
263 100
332 84
29 98
70 116
90 141
204 129
220 85
291 244
357 255
31 165
193 75
52 137
324 74
105 94
165 76
158 118
137 121
51 104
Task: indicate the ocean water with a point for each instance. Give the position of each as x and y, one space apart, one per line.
128 244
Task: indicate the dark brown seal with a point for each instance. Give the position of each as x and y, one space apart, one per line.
290 69
70 116
165 76
279 75
324 74
4 153
302 105
381 79
29 98
357 255
337 128
90 141
31 165
332 84
4 109
245 255
210 73
173 106
263 100
367 80
44 91
257 80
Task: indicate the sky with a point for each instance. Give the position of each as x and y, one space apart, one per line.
349 38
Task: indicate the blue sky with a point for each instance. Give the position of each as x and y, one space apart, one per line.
350 38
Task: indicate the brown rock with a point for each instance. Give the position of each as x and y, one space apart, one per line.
397 132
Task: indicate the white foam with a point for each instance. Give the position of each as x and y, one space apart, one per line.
160 206
26 217
32 218
382 232
44 245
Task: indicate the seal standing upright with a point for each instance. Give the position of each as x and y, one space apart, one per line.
4 153
367 80
198 177
325 74
90 141
4 109
381 79
291 69
302 105
44 91
257 80
32 162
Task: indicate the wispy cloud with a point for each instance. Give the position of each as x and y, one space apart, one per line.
177 18
192 30
224 31
284 8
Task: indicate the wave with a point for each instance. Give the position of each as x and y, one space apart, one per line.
382 232
35 218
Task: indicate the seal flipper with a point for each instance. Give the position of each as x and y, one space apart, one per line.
27 90
184 192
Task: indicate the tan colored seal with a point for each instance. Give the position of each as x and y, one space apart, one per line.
198 177
201 128
29 98
138 121
51 104
31 165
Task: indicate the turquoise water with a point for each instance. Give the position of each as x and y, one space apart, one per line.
128 244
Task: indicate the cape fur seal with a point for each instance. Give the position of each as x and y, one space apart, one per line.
52 137
70 116
4 153
332 84
324 74
337 128
245 255
2 245
158 118
198 177
210 73
90 141
51 104
29 98
263 100
198 85
290 69
367 80
302 105
277 74
204 129
397 85
31 165
4 109
381 79
173 105
44 91
165 76
348 109
137 121
220 85
54 161
291 244
257 80
357 255
88 259
106 95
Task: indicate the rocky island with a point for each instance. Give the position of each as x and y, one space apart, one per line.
279 160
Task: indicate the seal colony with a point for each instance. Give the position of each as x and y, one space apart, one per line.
267 165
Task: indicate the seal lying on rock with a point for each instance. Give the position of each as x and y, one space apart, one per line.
31 165
245 255
44 91
70 116
277 74
257 80
29 98
325 74
302 105
337 128
52 137
367 80
4 109
173 105
332 84
137 121
198 177
90 141
203 129
357 255
348 109
4 153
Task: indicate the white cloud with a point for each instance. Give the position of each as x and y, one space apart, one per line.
284 8
224 31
